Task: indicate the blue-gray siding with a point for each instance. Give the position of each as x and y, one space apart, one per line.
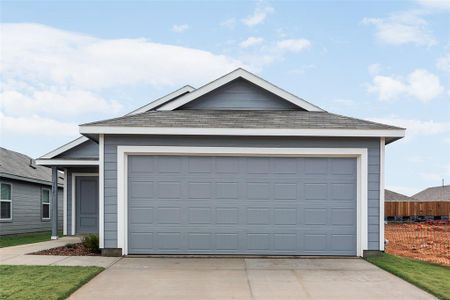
86 150
240 94
110 167
26 208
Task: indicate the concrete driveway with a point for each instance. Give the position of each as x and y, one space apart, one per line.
246 278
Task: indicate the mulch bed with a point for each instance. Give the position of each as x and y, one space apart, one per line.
423 241
75 250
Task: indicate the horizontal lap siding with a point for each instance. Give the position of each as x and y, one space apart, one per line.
26 209
110 166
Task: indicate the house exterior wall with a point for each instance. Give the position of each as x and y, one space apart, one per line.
240 95
70 171
86 150
26 208
110 168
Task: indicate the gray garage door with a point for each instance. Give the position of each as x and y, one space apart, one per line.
241 205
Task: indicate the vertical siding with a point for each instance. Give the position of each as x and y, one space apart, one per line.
240 94
111 143
26 208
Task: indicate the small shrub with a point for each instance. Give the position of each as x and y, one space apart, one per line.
90 241
71 245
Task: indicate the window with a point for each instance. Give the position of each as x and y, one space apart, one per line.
5 202
45 201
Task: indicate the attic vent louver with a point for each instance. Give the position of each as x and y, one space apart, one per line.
32 163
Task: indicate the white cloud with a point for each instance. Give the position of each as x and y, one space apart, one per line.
251 41
294 45
436 4
419 84
443 63
53 102
258 16
37 125
180 28
229 23
416 127
402 28
42 55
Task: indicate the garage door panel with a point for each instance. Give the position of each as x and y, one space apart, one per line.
239 205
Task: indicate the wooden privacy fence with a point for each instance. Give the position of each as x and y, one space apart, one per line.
408 209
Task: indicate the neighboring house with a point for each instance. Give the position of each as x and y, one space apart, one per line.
431 203
237 166
435 193
26 198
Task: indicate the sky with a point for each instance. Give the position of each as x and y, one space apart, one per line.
66 63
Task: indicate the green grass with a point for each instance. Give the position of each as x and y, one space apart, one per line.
43 282
20 239
429 277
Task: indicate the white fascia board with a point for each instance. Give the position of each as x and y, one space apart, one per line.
242 131
66 162
162 100
232 76
65 147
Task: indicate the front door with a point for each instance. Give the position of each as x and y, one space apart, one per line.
86 204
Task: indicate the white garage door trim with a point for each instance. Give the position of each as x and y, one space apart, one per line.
122 174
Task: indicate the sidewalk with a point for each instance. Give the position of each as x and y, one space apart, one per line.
17 255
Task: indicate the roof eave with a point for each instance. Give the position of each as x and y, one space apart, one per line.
390 134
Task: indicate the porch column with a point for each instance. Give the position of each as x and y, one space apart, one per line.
54 213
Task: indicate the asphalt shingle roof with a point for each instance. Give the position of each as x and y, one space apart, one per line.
437 193
281 119
394 196
19 165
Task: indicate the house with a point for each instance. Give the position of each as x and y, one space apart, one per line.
431 203
237 166
435 193
26 198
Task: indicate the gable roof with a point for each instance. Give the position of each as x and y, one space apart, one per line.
391 196
18 166
239 73
240 122
436 193
163 100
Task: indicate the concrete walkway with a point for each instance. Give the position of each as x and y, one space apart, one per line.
245 279
17 255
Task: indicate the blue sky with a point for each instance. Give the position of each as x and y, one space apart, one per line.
65 63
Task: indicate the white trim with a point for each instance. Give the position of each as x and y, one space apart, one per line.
362 177
65 190
232 76
8 200
242 131
101 187
50 204
64 147
382 158
66 162
74 175
185 89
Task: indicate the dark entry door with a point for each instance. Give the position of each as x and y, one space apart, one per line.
87 204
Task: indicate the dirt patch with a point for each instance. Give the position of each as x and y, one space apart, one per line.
423 241
73 250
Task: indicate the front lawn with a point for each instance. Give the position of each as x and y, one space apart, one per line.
429 277
20 239
43 282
